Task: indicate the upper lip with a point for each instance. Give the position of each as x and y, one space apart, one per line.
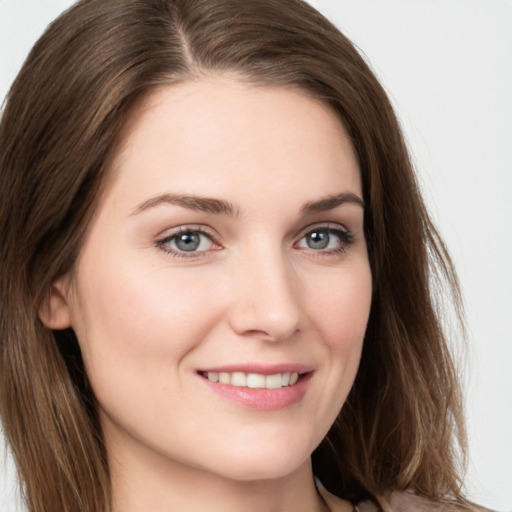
262 369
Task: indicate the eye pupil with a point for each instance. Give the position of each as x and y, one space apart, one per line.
318 240
188 241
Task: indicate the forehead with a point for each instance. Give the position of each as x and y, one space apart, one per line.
224 134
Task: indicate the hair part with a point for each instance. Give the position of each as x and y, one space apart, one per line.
60 129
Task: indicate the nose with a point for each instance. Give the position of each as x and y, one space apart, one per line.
265 297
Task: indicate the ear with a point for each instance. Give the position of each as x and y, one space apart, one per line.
55 312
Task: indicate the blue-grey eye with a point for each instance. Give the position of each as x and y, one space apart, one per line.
318 239
190 241
321 239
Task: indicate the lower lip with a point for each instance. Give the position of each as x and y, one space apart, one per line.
262 399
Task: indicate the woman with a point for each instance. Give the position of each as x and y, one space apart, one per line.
203 206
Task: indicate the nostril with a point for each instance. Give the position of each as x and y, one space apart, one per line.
271 335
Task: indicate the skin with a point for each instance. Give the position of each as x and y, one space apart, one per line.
255 291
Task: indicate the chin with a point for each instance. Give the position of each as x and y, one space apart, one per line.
256 472
269 463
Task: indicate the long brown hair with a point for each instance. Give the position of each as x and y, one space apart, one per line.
59 130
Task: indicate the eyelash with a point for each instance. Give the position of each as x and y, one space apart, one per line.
185 230
345 237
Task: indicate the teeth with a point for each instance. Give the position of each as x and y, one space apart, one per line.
224 378
213 376
238 379
274 381
254 380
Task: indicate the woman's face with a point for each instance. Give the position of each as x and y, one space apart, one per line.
228 246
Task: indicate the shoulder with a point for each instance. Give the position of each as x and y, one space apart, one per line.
408 501
334 503
397 501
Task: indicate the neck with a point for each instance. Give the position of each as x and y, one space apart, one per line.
143 483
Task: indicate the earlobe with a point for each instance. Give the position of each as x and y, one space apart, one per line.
54 312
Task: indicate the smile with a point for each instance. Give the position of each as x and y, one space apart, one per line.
254 380
262 388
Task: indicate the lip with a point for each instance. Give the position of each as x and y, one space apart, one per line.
261 399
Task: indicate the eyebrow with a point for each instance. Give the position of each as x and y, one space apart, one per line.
222 207
192 202
331 202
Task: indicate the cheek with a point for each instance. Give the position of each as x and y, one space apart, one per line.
136 329
139 324
342 308
127 302
339 306
341 315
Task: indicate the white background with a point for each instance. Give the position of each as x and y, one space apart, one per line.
447 65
